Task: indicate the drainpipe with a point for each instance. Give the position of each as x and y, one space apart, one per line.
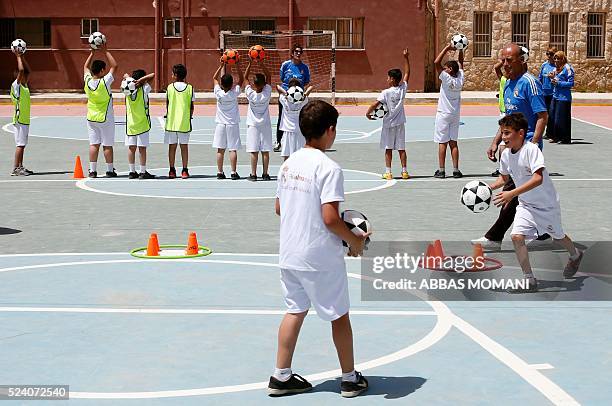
183 34
158 7
290 22
436 14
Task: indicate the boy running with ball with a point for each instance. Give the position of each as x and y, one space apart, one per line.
538 211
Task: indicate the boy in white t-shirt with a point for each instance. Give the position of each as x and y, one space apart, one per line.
227 130
446 130
100 114
20 95
138 123
259 126
393 133
311 257
538 211
293 139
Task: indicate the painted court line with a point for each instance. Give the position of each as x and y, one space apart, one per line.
596 125
541 366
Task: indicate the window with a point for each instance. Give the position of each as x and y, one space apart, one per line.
88 26
558 31
34 31
596 28
483 27
349 31
172 27
520 29
246 24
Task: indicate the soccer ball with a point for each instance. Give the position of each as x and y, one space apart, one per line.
524 54
476 196
459 41
257 52
18 46
380 111
295 94
128 86
230 56
357 223
96 40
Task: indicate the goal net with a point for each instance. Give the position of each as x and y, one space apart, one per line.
319 54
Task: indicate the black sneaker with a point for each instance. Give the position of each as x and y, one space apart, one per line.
253 178
533 287
295 384
185 173
496 173
133 175
235 176
266 176
277 147
172 173
93 174
457 174
221 175
352 389
440 174
146 175
111 174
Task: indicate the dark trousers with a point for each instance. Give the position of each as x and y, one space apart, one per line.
549 124
279 133
505 218
561 112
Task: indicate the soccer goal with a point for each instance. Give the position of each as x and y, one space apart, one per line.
319 53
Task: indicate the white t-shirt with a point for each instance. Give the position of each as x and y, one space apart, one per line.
92 83
258 113
16 88
393 97
181 86
290 121
450 92
307 180
521 166
146 89
227 105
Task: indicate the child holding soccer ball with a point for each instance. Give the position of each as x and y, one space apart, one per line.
138 123
293 139
20 95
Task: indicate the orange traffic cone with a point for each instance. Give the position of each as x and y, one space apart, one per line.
192 245
478 257
153 246
438 252
78 169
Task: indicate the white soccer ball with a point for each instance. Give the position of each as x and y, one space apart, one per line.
357 223
476 196
524 53
19 46
459 41
96 40
295 94
380 111
128 86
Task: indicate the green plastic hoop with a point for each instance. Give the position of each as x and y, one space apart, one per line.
202 252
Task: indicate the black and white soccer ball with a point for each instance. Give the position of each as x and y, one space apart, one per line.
459 41
380 111
96 40
295 94
357 223
19 46
524 53
476 196
128 86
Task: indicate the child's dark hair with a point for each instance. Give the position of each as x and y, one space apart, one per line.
294 82
395 74
180 71
453 65
97 66
316 117
516 121
138 73
227 81
260 79
296 46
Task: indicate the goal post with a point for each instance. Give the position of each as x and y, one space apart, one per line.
319 53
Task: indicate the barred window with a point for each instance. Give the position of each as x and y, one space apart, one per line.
558 31
483 27
36 32
520 29
349 31
596 28
250 24
172 27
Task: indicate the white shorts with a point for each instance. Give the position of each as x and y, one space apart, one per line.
259 138
532 222
21 134
227 136
141 140
173 137
446 128
326 291
101 133
291 142
393 138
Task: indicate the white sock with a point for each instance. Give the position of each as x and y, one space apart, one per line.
442 170
404 169
143 168
388 169
575 257
109 167
350 376
93 166
282 374
132 167
530 276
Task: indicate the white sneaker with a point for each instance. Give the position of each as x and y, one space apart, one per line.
487 244
540 243
16 172
24 172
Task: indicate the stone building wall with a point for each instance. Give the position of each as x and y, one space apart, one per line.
592 75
